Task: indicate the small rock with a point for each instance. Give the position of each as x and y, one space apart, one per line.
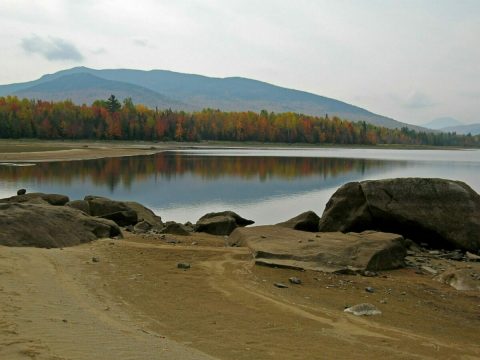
429 270
129 228
369 289
21 192
280 285
434 252
183 266
295 280
194 243
95 259
363 309
369 273
471 257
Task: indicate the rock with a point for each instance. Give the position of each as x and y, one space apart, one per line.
368 273
369 289
461 279
295 280
221 223
38 198
172 227
47 226
123 213
21 191
280 285
429 270
471 257
145 214
95 259
184 266
330 252
141 227
417 208
363 309
81 205
122 218
307 221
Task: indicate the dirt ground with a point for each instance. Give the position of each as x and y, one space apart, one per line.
134 303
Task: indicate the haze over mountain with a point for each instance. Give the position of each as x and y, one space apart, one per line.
473 129
179 91
442 122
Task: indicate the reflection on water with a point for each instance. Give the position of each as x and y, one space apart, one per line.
183 186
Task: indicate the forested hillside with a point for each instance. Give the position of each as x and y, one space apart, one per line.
112 120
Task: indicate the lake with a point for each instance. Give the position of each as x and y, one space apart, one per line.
265 185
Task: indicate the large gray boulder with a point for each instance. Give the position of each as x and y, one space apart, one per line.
47 226
221 223
442 213
307 221
329 252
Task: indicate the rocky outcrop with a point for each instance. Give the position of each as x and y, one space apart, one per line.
47 226
221 223
441 213
81 205
307 221
145 214
329 252
52 199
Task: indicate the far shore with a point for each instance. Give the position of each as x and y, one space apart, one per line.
29 150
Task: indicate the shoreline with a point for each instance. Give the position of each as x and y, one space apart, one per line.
24 151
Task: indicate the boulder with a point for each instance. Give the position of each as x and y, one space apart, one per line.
172 227
461 279
145 214
307 221
52 199
81 205
330 252
441 213
220 223
124 213
122 218
141 227
47 226
21 191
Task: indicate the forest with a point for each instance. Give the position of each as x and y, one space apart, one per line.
111 120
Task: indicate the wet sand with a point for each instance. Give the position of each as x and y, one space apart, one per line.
134 303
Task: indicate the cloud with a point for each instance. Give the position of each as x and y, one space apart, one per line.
418 100
52 48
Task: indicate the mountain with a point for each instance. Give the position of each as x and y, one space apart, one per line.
473 129
167 89
442 122
84 88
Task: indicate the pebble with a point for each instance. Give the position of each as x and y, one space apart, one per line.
280 285
363 309
369 289
95 259
368 273
295 280
183 266
429 270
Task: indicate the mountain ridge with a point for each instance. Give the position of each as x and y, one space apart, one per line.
180 91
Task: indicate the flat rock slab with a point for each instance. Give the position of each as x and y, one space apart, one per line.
329 252
461 279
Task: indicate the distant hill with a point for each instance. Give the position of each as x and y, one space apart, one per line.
473 129
442 122
167 89
84 88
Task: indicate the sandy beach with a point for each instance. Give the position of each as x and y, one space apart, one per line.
127 299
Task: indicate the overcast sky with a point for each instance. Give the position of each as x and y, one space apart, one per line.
408 59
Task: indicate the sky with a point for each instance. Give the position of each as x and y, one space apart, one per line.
410 60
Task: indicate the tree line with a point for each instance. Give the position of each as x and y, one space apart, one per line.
111 120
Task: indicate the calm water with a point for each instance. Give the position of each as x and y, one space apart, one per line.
268 185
